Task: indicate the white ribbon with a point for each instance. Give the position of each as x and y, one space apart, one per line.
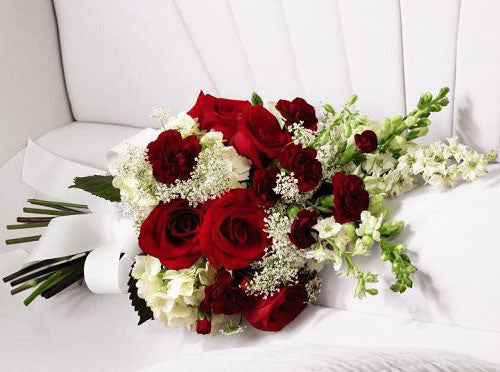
105 232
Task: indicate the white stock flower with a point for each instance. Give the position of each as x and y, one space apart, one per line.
370 226
327 227
146 267
473 166
378 164
321 254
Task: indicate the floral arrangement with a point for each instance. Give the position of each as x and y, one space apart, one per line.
238 207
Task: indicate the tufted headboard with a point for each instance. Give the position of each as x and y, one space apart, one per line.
121 57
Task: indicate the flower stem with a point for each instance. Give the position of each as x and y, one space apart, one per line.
46 284
49 211
50 269
23 240
55 203
27 225
54 206
35 266
34 219
29 284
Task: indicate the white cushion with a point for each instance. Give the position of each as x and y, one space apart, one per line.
123 56
33 97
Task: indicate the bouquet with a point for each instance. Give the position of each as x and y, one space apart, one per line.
238 208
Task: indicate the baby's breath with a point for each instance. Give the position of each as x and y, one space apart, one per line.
282 260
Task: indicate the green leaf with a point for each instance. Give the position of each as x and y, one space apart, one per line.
138 303
256 100
101 186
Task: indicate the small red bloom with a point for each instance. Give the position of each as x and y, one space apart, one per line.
349 197
264 182
303 163
203 326
300 234
222 297
172 157
298 111
366 142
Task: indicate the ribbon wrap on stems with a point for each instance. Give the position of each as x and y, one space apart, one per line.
105 232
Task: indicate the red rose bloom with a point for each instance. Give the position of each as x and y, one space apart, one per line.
264 181
349 197
222 297
303 163
203 326
366 142
232 234
170 233
172 157
298 111
300 234
275 312
219 114
259 136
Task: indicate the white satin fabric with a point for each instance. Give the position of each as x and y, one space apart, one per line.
106 232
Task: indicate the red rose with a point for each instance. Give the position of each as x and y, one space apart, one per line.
349 197
303 163
170 233
222 297
300 234
264 181
219 114
366 142
172 157
203 326
259 136
276 311
298 111
232 234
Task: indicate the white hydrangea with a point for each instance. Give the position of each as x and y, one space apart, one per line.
172 295
183 123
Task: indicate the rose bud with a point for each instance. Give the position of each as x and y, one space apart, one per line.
204 326
366 142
